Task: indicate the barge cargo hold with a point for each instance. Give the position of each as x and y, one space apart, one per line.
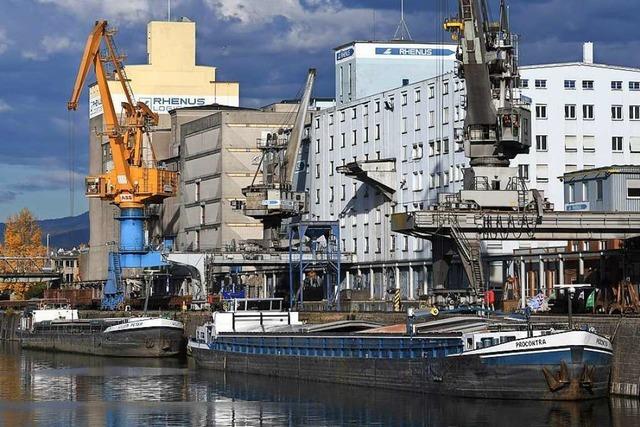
60 329
505 364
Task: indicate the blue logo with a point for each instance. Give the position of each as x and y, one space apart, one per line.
344 54
413 51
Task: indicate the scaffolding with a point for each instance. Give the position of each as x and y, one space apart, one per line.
314 254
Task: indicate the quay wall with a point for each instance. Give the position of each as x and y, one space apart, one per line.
624 333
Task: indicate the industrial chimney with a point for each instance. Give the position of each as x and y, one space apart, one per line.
587 53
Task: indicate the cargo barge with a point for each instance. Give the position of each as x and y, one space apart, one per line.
504 364
60 329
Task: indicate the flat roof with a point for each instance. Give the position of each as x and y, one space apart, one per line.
578 64
342 46
604 171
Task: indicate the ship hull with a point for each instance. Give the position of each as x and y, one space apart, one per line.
550 378
147 342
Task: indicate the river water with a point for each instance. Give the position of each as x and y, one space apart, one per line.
45 389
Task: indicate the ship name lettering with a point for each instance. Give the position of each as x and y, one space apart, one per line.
531 343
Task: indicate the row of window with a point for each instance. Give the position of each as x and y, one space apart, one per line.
586 84
588 112
589 143
418 244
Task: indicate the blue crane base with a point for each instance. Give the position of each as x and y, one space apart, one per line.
132 254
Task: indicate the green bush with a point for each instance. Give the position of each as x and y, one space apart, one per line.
36 291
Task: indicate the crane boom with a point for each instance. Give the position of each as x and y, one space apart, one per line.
295 137
133 182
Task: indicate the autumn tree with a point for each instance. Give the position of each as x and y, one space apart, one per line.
23 239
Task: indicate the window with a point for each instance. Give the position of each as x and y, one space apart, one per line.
570 143
416 96
432 91
542 173
355 244
354 113
616 144
456 113
331 143
445 88
445 146
438 146
393 243
330 194
197 195
432 151
569 84
432 180
587 112
342 140
432 118
366 245
417 122
445 115
456 85
634 144
330 119
523 172
403 125
541 142
599 190
317 124
317 146
524 83
377 107
445 179
317 196
541 84
587 84
365 108
343 192
354 137
377 134
616 112
342 116
317 168
404 98
417 181
570 112
378 245
541 111
405 243
634 85
331 168
633 188
634 112
378 216
589 144
572 193
416 152
366 134
616 85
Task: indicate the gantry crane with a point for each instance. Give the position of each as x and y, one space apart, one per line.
135 180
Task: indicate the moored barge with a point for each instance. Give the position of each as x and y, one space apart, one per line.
60 329
506 364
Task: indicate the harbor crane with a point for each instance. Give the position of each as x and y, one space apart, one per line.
495 203
275 198
135 180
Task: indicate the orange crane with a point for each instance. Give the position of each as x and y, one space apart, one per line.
135 180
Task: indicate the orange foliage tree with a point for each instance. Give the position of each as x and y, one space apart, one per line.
22 239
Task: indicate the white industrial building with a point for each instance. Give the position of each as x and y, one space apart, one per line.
399 149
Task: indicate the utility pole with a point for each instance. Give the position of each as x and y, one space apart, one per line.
168 10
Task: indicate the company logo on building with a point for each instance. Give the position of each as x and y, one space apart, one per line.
577 206
163 104
343 54
413 51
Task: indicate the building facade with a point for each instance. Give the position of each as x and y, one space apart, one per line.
364 68
410 132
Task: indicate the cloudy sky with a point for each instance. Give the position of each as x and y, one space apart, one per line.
267 45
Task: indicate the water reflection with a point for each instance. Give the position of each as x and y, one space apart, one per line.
38 388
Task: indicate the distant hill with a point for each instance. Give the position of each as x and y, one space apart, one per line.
67 232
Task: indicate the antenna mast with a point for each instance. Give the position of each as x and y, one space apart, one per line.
402 32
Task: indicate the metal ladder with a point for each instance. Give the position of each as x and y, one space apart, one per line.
470 255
